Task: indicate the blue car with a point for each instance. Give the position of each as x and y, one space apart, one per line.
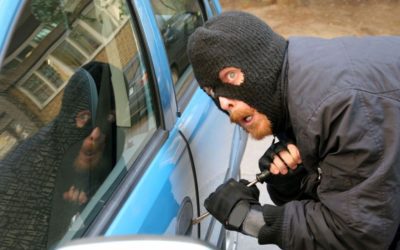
103 128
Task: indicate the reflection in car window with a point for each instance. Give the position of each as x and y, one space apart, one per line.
176 21
77 105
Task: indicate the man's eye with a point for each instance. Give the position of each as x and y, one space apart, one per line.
231 75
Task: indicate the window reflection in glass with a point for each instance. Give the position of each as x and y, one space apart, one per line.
44 31
84 40
69 55
176 21
51 74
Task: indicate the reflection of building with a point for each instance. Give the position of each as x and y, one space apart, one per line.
14 126
43 56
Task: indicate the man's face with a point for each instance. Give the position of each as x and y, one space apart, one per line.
91 150
93 145
254 122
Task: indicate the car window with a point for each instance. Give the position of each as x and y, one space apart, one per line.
77 107
176 21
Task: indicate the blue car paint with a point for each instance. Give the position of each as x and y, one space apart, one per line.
8 10
151 191
217 5
158 207
195 114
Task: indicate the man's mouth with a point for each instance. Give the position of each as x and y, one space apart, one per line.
244 118
247 119
89 153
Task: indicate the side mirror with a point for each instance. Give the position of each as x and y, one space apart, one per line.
142 242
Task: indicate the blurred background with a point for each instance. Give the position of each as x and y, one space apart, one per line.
320 18
324 18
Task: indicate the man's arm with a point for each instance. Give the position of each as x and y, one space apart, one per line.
358 191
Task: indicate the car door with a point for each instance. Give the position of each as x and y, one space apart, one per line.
216 145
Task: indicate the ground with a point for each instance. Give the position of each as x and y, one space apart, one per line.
324 18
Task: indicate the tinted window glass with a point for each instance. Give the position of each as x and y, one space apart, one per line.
77 105
176 21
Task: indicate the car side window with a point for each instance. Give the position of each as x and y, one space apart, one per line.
176 21
77 107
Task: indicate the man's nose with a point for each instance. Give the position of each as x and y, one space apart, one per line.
95 134
226 103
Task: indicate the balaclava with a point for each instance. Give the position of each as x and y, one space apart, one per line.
241 40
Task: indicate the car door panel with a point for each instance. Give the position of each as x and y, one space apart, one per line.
206 140
216 144
159 192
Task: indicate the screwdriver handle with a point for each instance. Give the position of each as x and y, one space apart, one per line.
262 177
259 178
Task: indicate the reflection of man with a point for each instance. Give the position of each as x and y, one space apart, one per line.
87 163
29 172
89 157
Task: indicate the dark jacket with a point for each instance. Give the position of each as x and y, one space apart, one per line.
343 99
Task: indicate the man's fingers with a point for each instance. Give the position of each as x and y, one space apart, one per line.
82 199
288 159
295 153
75 195
279 165
273 169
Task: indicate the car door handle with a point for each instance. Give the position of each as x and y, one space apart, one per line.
184 218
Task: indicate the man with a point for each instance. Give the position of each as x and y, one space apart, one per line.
338 101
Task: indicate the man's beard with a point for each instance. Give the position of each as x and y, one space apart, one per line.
258 128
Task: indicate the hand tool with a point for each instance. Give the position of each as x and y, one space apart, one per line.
260 177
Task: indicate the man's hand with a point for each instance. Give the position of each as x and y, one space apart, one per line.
75 195
280 157
231 202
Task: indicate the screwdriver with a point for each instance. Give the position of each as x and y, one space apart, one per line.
260 177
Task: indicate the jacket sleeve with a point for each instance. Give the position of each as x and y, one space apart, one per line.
357 143
297 185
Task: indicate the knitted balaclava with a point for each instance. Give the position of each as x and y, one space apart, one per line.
238 39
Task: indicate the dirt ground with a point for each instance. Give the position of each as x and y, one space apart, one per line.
324 18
